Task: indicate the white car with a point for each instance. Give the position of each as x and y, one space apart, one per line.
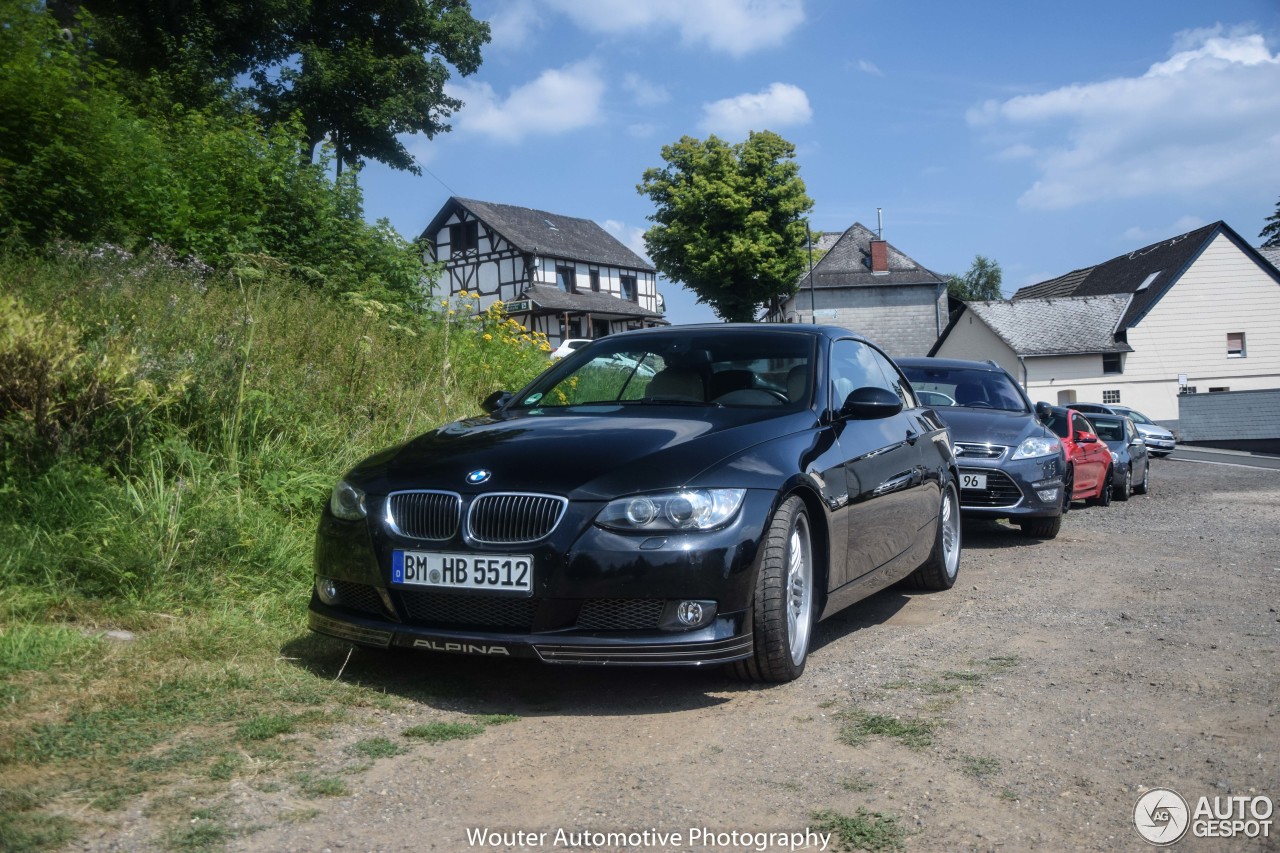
569 345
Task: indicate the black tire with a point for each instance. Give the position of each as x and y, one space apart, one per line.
1144 487
940 569
1041 528
1104 496
783 608
1068 488
1126 488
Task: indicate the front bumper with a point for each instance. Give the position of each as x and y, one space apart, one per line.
1160 444
598 596
1013 488
720 642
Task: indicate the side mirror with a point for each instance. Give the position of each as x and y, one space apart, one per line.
496 401
1137 442
870 403
1083 437
1042 411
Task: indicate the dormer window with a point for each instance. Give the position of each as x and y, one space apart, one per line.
1146 282
464 237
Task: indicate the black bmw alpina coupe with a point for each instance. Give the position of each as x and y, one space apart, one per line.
672 496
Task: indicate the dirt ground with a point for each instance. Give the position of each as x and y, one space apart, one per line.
1058 681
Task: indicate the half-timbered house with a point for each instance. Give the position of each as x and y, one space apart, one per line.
559 275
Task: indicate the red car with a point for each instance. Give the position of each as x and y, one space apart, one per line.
1089 472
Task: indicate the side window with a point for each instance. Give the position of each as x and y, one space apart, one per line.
1079 424
853 366
896 381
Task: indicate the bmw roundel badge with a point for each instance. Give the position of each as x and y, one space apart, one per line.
475 478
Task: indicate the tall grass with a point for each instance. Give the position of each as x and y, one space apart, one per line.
191 471
167 438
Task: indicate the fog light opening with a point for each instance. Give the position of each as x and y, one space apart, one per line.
327 589
1047 495
690 613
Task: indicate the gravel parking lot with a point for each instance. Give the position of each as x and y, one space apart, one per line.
1027 709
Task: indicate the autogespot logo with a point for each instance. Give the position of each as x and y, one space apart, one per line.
475 478
1161 816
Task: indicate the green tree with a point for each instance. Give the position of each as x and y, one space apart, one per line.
1271 231
358 72
729 221
981 283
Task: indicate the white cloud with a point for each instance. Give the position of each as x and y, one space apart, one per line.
514 25
628 235
645 93
1208 116
559 101
1139 234
778 106
869 67
735 27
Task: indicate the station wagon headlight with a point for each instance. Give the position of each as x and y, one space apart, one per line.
347 502
1037 445
691 509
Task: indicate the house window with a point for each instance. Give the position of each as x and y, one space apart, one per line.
1112 363
564 279
1186 389
1111 398
464 237
595 281
628 287
1235 345
1219 390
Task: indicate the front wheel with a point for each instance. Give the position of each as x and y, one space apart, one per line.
940 570
1041 528
782 608
1145 486
1122 492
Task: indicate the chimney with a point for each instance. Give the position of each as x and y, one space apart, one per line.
879 256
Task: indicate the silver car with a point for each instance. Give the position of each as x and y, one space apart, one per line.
1159 440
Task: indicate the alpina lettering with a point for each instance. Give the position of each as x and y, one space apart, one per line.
461 648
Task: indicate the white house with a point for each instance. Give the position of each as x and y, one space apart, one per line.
559 275
865 284
1198 313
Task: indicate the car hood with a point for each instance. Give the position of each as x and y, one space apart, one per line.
581 455
991 426
1149 429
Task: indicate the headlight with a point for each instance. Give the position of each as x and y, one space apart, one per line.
694 509
1115 457
1037 445
347 502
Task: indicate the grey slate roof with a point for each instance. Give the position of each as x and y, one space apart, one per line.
1074 325
545 233
847 264
1159 265
592 303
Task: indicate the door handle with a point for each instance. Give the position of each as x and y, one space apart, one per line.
912 437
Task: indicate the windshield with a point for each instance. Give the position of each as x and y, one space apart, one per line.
1108 427
966 387
1137 417
741 369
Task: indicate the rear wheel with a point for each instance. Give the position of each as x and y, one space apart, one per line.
939 571
1145 486
1122 492
783 604
1104 494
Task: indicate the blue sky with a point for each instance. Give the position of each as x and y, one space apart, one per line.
1047 136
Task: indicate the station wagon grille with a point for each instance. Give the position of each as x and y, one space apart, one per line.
1001 491
468 611
508 519
967 450
424 515
621 614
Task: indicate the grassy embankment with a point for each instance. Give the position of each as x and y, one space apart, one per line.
168 435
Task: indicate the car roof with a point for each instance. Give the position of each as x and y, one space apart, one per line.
950 363
832 332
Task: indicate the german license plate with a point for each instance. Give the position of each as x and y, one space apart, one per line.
492 572
973 481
